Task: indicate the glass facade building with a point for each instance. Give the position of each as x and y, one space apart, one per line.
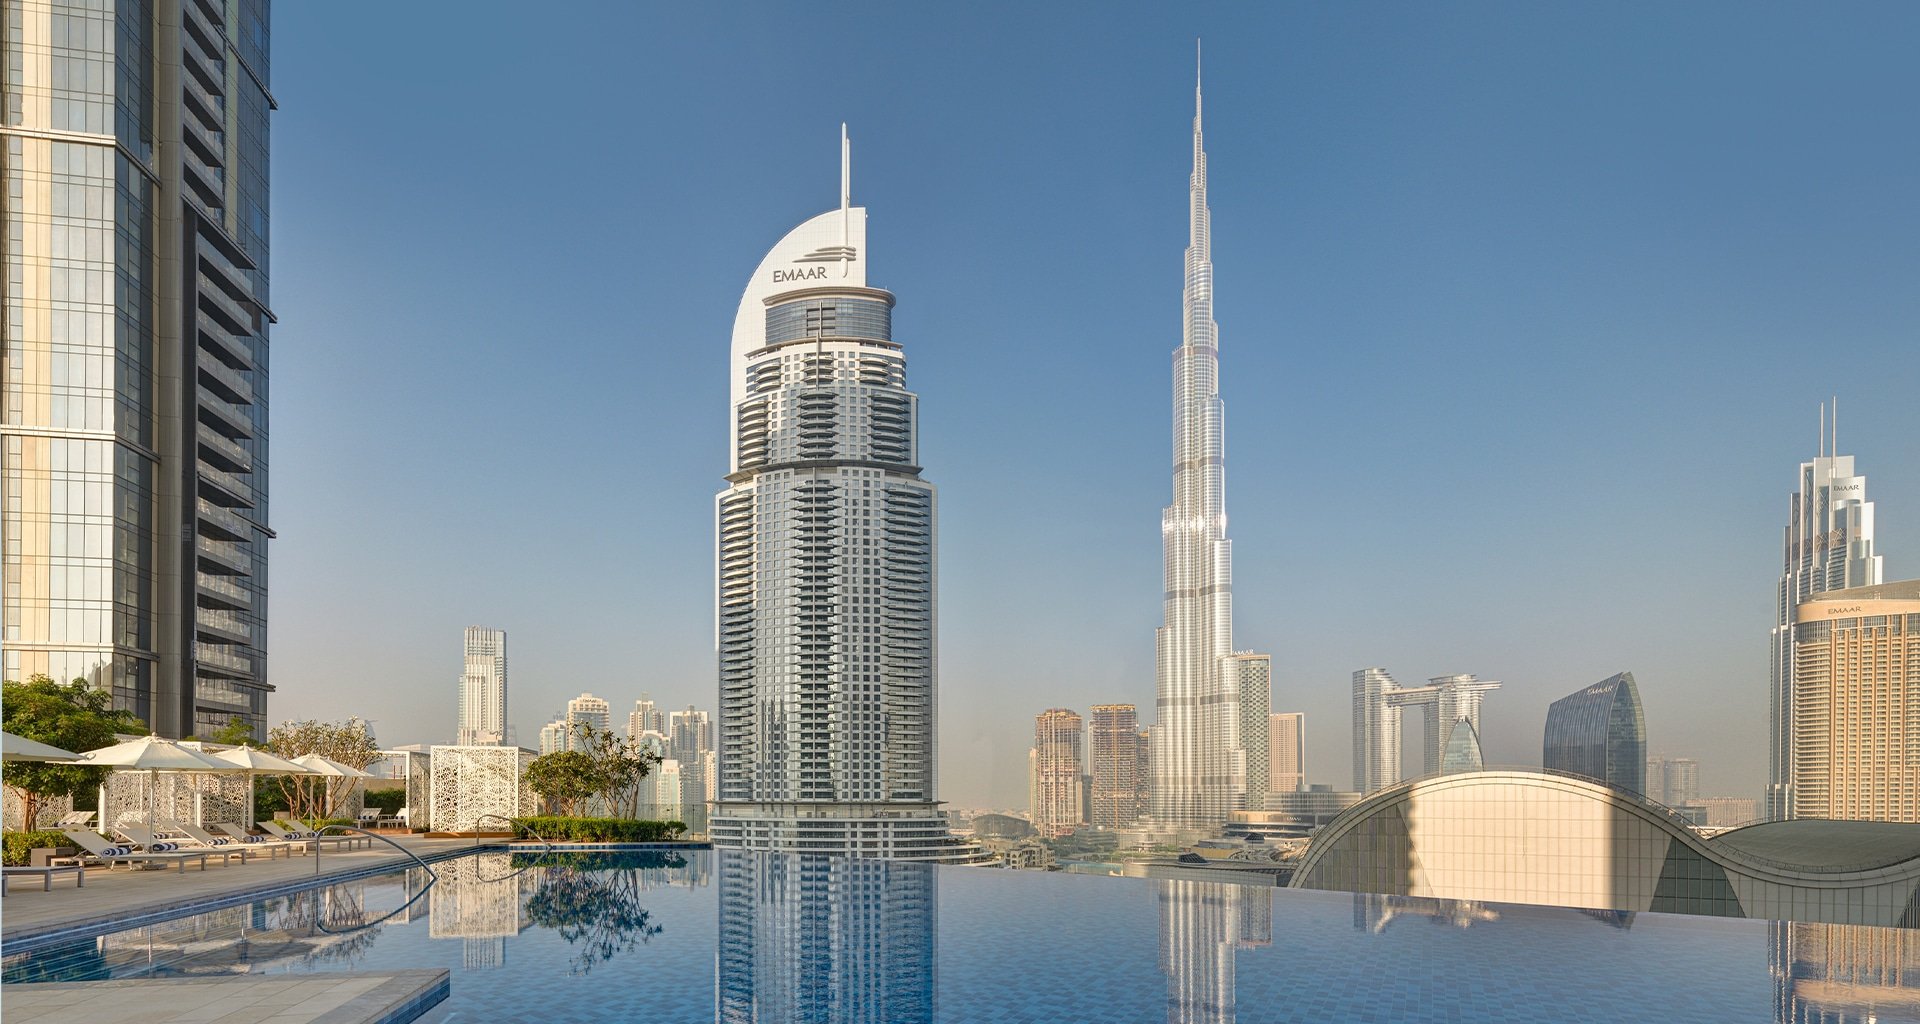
1600 733
1827 545
483 688
825 568
134 402
1856 704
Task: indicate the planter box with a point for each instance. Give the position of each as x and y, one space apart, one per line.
39 858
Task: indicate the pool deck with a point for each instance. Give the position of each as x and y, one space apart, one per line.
126 898
369 997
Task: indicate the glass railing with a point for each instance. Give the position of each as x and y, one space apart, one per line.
226 588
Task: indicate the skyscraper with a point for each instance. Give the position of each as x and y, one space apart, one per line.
589 710
1057 771
1599 732
1114 742
1856 704
826 565
134 415
1199 761
1378 703
646 716
689 738
1253 681
1287 752
1828 545
483 688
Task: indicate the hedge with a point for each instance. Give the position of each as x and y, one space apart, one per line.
19 843
596 830
387 800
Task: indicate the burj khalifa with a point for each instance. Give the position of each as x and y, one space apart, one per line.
1199 753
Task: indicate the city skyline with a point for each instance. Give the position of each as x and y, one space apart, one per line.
1429 312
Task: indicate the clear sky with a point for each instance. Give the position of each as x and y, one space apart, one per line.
1525 312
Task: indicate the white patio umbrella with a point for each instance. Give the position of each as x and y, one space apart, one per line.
19 748
152 755
318 765
257 763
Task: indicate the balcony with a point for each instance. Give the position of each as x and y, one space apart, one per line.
198 94
227 343
226 382
223 625
215 299
229 419
222 521
226 488
223 590
218 659
224 554
222 451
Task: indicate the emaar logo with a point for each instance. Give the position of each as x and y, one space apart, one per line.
799 274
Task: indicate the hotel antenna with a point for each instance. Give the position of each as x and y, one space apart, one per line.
846 198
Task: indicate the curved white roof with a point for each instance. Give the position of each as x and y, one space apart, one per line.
828 250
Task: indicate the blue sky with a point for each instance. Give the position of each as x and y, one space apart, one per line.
1525 311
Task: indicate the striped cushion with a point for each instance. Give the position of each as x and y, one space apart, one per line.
254 839
217 841
116 851
162 847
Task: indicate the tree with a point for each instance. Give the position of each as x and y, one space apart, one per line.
618 766
73 716
350 742
232 734
563 778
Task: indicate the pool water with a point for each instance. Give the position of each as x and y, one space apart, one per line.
730 937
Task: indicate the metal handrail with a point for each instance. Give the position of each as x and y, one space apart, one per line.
382 919
372 835
516 824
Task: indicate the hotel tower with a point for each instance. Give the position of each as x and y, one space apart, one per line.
825 568
1199 761
1828 545
136 309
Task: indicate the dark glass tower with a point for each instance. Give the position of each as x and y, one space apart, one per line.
136 321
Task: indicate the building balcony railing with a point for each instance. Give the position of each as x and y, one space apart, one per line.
232 386
227 488
223 659
232 416
222 624
223 589
224 553
224 339
233 457
222 520
214 299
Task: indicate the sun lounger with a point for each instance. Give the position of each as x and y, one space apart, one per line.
46 875
74 819
200 837
240 834
273 829
99 849
150 843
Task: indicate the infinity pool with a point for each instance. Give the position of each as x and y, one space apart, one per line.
730 937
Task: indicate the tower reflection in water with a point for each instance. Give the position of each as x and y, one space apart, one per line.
1843 974
1202 925
824 938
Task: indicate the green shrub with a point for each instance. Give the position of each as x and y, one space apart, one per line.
18 843
597 830
387 801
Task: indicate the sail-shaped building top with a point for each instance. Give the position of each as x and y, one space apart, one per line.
825 566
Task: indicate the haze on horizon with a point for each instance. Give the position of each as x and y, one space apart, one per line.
1525 316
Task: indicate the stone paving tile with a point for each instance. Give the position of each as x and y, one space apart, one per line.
361 998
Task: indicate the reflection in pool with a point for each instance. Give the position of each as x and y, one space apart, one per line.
732 937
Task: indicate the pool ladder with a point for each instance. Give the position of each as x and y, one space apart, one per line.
372 835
